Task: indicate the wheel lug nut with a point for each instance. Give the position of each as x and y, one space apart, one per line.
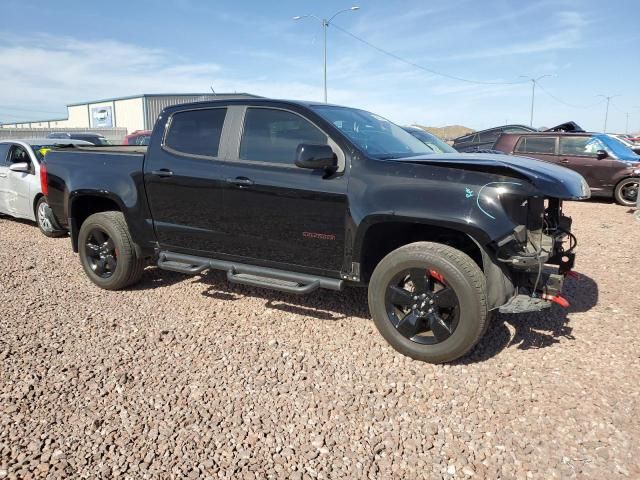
414 306
430 302
415 298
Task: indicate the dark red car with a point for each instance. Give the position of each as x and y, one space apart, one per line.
610 168
139 137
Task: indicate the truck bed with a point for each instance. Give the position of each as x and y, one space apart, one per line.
128 149
113 175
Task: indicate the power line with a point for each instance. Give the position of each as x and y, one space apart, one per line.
422 67
454 77
559 100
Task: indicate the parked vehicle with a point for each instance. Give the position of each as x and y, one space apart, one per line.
297 196
93 138
485 139
20 192
628 143
609 167
430 140
566 127
139 137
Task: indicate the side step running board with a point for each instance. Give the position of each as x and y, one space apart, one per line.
252 275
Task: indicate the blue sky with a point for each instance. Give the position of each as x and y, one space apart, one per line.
54 53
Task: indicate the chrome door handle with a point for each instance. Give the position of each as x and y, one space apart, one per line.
240 181
163 172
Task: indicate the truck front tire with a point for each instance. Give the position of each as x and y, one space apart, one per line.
107 252
429 301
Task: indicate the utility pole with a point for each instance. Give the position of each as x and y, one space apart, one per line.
626 126
533 92
606 112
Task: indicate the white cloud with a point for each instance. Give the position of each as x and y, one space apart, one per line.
47 72
566 32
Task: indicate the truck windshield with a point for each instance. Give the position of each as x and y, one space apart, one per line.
373 134
433 142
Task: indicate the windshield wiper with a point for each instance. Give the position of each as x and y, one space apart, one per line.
391 156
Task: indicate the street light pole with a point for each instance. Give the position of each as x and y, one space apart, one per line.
606 112
626 127
533 92
325 24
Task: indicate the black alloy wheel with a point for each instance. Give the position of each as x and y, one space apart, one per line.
422 306
101 253
429 301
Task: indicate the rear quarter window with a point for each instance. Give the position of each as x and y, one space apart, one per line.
489 136
196 132
541 145
467 139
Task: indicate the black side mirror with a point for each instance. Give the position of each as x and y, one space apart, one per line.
316 157
601 154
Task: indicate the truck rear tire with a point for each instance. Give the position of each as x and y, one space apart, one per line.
107 252
429 301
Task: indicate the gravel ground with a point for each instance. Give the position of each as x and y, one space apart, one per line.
189 377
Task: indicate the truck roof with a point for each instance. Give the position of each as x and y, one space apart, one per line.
251 101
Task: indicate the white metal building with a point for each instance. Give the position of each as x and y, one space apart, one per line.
133 113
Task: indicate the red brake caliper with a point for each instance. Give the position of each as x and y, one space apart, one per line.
437 275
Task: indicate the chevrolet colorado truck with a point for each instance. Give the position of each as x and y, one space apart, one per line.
297 196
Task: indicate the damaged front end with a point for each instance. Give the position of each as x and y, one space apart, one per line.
538 254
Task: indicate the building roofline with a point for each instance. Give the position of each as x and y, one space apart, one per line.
131 97
144 95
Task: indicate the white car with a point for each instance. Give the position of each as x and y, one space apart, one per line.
20 191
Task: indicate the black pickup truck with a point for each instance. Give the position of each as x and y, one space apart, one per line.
297 196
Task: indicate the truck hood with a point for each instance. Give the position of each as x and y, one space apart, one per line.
551 180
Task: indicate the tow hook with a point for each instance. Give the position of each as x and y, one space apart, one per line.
557 299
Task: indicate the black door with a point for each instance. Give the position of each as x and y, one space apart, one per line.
185 178
277 212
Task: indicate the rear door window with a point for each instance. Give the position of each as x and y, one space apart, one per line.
196 132
540 145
